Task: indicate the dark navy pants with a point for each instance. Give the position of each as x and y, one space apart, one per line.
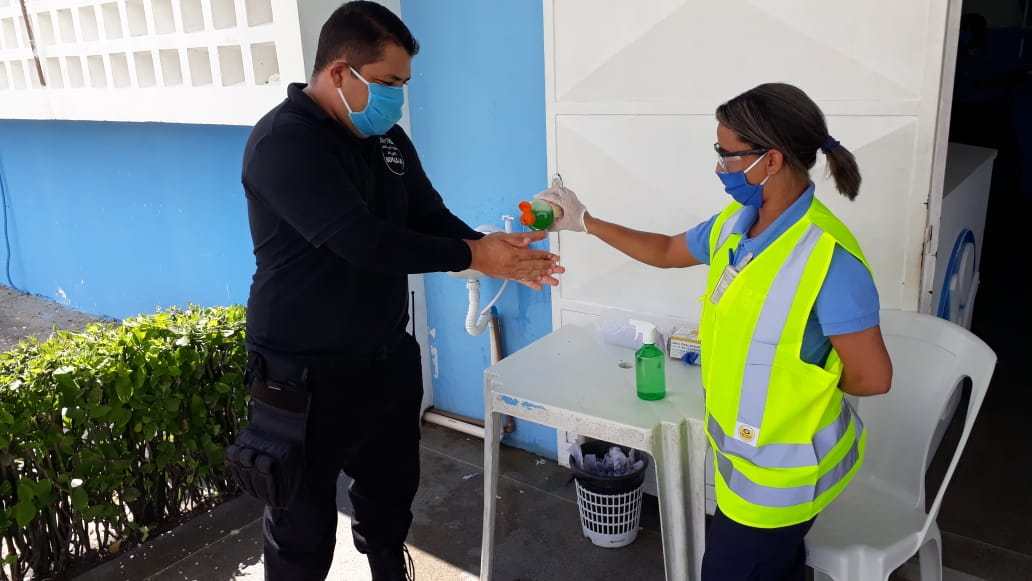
364 421
736 552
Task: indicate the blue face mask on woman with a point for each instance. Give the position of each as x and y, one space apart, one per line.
737 185
382 110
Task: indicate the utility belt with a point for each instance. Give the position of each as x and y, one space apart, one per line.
268 457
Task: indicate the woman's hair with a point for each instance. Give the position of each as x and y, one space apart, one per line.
782 117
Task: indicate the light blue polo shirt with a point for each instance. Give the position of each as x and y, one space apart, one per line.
848 300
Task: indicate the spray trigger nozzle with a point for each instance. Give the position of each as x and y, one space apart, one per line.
645 330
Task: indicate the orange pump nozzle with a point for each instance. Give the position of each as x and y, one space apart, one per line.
526 214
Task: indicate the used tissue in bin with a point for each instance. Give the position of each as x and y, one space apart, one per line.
614 463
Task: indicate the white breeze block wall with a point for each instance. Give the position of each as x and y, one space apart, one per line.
185 61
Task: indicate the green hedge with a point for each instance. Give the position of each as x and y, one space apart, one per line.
106 433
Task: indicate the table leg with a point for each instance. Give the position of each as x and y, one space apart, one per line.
492 449
697 458
671 473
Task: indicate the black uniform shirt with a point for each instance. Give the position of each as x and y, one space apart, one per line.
337 223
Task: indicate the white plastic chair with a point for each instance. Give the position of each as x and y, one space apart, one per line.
880 521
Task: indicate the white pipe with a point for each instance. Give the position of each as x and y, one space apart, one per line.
453 424
486 310
474 325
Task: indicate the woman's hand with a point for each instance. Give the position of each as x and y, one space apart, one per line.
573 210
657 250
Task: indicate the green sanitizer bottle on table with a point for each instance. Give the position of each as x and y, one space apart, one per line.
649 364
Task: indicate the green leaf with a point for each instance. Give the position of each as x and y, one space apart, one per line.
80 500
43 490
99 411
172 404
138 427
197 407
6 417
222 388
25 512
26 491
124 387
120 416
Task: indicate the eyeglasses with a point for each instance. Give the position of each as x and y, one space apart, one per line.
725 157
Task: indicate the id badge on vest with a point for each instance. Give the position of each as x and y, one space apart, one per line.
727 277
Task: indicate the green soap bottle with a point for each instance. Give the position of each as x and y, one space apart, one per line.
649 364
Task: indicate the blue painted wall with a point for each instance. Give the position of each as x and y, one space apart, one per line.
119 218
478 119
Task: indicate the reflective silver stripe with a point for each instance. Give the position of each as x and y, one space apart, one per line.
826 438
769 456
787 455
726 230
775 497
836 474
756 379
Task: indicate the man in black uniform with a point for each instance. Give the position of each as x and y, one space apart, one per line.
340 212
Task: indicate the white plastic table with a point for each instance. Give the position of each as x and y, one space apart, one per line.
571 380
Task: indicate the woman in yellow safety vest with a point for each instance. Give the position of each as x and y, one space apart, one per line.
789 324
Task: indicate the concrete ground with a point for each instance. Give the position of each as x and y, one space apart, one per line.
539 533
984 519
538 526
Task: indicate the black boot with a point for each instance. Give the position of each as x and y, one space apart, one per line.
393 564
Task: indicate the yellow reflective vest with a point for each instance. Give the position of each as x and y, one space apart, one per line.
785 441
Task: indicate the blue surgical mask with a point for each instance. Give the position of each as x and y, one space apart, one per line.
739 188
382 110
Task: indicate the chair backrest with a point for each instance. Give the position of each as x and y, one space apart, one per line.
931 358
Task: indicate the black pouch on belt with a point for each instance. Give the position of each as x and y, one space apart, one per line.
268 457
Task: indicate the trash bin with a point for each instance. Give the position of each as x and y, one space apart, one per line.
609 506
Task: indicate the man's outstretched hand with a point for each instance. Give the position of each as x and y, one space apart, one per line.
508 256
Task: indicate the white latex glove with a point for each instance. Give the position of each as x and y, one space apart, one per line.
573 210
